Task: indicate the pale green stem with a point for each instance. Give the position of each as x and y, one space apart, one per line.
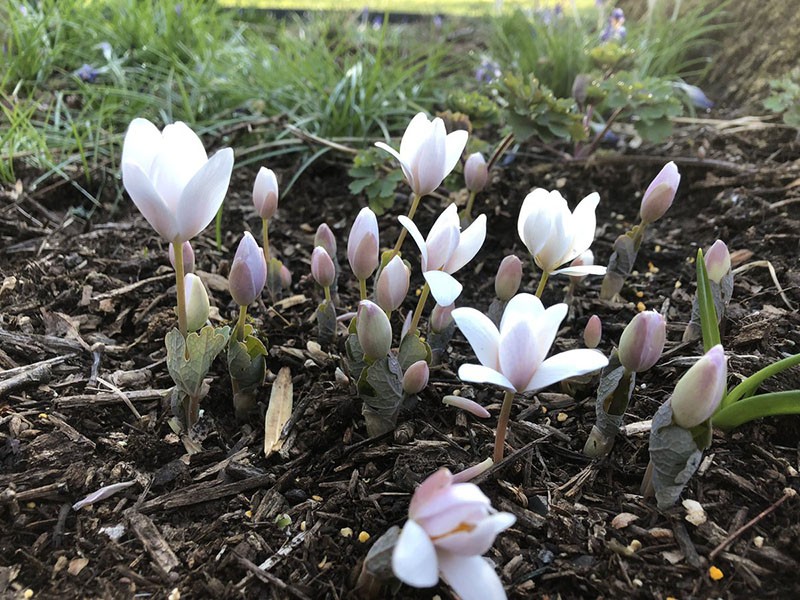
180 288
502 426
542 283
265 238
241 323
327 290
470 202
403 232
362 289
423 297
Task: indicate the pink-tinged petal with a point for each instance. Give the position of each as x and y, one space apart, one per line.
452 498
478 540
481 334
148 201
471 577
454 148
417 133
522 307
411 227
365 224
481 374
518 349
404 165
467 405
533 224
392 285
546 328
429 162
584 224
265 193
204 194
414 560
571 363
473 471
559 240
444 287
428 490
469 243
443 238
180 157
365 257
698 393
142 143
581 270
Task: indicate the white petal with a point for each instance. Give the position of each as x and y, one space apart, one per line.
429 161
444 287
428 490
481 334
559 240
522 307
533 224
148 201
443 238
414 558
546 328
481 374
204 194
471 577
478 540
581 270
584 224
417 133
454 145
571 363
142 143
180 157
417 237
404 165
519 354
469 243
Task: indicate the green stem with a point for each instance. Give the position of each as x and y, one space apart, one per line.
362 289
470 202
403 232
218 228
241 323
502 426
265 238
180 288
542 283
763 405
327 290
423 297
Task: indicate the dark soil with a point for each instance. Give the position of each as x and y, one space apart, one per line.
95 299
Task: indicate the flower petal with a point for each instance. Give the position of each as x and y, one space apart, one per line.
429 162
581 270
203 195
584 224
533 224
522 307
148 201
519 354
142 143
469 243
471 577
454 148
414 558
443 238
481 333
481 374
559 240
428 490
546 328
478 540
404 165
444 287
571 363
416 134
179 158
418 239
467 405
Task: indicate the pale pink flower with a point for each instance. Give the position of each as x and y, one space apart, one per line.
363 244
392 285
698 393
660 193
248 271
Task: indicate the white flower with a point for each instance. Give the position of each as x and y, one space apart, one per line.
427 153
171 180
446 250
555 236
513 357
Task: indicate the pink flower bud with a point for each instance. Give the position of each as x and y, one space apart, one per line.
265 193
362 244
593 332
584 259
322 268
416 378
248 271
660 193
324 237
286 278
197 306
718 261
476 174
509 276
698 393
642 341
373 330
441 317
392 286
188 257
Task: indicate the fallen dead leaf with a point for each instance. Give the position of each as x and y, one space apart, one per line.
278 411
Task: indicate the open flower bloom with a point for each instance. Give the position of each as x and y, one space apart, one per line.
555 236
169 177
446 250
513 357
450 525
427 153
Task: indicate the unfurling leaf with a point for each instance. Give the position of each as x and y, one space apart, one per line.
278 411
613 395
619 267
412 349
326 323
247 367
381 389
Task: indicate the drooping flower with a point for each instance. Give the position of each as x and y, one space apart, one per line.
446 250
450 525
427 153
248 271
698 393
265 193
363 244
513 356
554 235
169 177
660 193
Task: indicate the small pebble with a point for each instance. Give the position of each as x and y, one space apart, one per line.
641 307
562 416
758 541
363 537
27 594
715 573
346 532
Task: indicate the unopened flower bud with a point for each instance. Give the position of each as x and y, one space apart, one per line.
248 271
699 392
416 378
324 237
642 341
362 244
660 193
441 317
392 285
718 261
197 305
593 332
322 268
265 193
476 174
188 257
286 278
373 330
509 276
584 259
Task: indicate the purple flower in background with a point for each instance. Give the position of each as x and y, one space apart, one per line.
106 49
488 71
179 9
87 73
377 22
696 96
438 22
615 28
